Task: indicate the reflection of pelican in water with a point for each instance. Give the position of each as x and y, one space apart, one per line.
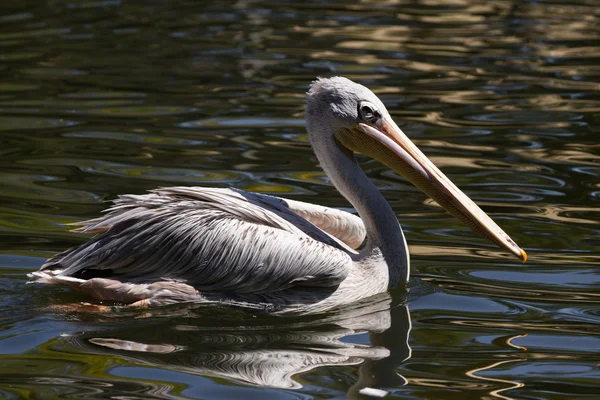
267 352
229 246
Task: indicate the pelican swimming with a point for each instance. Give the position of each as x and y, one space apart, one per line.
228 246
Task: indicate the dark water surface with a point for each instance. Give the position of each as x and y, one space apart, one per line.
100 97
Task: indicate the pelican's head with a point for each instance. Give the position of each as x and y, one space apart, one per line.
360 123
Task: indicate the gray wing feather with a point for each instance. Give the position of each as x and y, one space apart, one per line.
214 239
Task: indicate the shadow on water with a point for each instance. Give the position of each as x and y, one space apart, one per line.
178 343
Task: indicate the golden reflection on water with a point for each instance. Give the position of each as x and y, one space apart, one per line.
519 291
576 154
496 393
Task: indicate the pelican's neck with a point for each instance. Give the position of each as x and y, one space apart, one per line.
384 233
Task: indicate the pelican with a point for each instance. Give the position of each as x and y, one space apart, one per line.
237 248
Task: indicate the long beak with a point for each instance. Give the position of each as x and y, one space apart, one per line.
418 169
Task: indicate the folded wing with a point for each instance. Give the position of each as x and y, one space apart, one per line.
214 239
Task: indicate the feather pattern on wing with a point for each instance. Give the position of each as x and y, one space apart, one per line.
214 239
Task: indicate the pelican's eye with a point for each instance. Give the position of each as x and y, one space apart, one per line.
368 112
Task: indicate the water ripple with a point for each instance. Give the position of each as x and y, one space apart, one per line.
28 123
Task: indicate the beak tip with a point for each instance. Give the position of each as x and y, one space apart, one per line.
523 256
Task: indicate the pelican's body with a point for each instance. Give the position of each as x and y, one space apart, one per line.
227 246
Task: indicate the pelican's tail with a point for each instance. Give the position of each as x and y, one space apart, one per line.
54 277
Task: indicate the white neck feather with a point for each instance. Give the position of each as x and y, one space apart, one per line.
384 233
